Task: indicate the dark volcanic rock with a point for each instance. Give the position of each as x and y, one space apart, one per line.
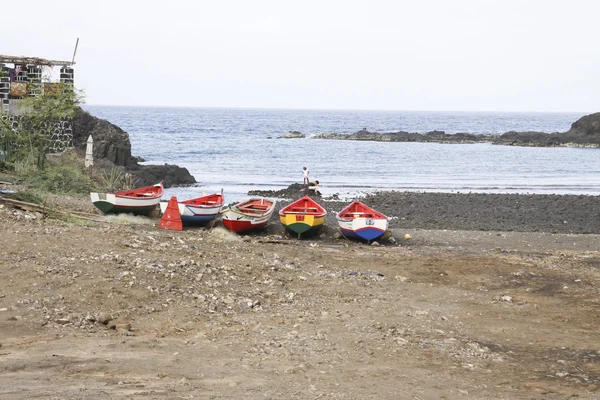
540 139
170 175
113 148
401 136
489 212
586 137
566 214
588 125
110 142
583 133
293 191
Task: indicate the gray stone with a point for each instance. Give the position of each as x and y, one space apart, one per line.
292 135
104 318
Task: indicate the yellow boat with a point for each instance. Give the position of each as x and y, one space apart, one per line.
304 216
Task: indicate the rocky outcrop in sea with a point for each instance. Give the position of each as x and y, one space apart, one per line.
292 135
402 136
584 132
112 148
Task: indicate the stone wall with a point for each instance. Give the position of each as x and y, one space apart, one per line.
4 88
59 133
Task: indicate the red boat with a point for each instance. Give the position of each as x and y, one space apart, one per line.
248 214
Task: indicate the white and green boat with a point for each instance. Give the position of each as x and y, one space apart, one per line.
140 201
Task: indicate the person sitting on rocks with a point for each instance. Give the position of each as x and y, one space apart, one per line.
313 188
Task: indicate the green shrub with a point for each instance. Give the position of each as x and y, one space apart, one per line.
10 179
25 166
116 180
30 196
111 181
63 180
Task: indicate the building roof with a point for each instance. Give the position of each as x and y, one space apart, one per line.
32 60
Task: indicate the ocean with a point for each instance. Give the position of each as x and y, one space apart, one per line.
238 150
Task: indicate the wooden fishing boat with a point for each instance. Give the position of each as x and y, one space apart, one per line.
360 221
246 215
304 216
198 211
136 201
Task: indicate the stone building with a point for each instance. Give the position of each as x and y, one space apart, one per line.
26 76
22 77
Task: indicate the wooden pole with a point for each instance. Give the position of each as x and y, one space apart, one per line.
75 51
214 221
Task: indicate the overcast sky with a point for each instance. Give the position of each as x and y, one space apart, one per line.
453 55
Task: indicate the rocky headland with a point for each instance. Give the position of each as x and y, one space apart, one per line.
112 148
584 132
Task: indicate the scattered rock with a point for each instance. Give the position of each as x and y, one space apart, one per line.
123 326
104 318
292 135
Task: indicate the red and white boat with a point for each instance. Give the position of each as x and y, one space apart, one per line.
360 221
136 201
247 215
198 211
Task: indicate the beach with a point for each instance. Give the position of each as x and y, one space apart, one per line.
472 146
462 309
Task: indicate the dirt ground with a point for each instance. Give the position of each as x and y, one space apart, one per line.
119 309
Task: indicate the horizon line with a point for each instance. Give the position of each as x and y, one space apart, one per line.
338 109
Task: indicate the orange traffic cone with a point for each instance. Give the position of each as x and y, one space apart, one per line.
171 219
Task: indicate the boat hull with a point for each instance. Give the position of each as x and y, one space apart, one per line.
141 201
363 228
244 225
254 214
110 204
303 217
302 224
359 221
194 215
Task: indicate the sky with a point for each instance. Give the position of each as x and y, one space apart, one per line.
437 55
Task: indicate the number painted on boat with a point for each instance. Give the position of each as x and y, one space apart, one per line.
370 222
